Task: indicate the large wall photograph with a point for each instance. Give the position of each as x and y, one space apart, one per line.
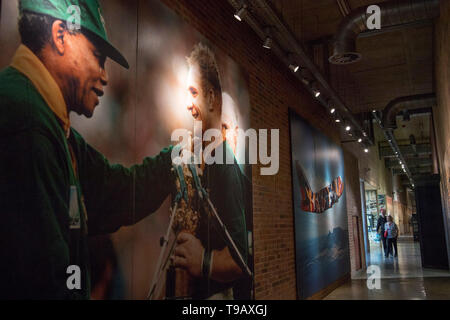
173 70
321 230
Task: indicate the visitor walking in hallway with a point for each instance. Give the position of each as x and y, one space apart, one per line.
380 228
390 234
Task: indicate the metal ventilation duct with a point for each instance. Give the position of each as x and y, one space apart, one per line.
413 102
395 12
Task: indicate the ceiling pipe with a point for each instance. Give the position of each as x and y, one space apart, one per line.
392 13
287 41
420 112
389 134
414 102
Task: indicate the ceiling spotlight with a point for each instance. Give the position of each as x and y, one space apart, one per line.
359 140
268 40
347 128
294 67
315 89
366 150
332 110
268 43
240 13
338 120
374 111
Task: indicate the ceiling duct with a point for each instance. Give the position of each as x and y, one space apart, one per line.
414 102
392 13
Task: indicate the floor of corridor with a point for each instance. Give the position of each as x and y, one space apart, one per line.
400 278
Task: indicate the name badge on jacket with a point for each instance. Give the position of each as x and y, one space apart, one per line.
74 209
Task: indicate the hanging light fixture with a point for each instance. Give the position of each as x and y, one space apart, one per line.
239 15
268 40
315 89
293 65
268 43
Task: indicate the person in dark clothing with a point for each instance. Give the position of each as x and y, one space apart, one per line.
391 230
380 228
56 189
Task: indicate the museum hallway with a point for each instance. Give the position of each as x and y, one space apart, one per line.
402 278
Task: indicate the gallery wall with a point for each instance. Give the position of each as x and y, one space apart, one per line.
320 213
272 91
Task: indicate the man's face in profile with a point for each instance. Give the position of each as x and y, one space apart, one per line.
197 102
85 72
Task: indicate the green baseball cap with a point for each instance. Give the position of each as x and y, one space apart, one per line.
91 19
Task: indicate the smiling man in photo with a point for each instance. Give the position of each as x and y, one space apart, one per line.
209 257
55 189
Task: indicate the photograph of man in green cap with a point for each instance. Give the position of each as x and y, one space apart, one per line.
55 189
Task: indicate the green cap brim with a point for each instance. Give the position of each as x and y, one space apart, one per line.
107 49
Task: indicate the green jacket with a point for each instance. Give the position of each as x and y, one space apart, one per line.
37 242
225 183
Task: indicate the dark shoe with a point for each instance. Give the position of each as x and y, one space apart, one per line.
395 255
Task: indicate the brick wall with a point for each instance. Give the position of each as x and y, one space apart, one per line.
272 91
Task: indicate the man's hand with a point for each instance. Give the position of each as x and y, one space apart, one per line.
189 254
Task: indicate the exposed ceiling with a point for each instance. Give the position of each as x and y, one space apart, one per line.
397 62
315 19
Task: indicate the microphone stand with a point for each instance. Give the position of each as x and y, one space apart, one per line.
182 194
